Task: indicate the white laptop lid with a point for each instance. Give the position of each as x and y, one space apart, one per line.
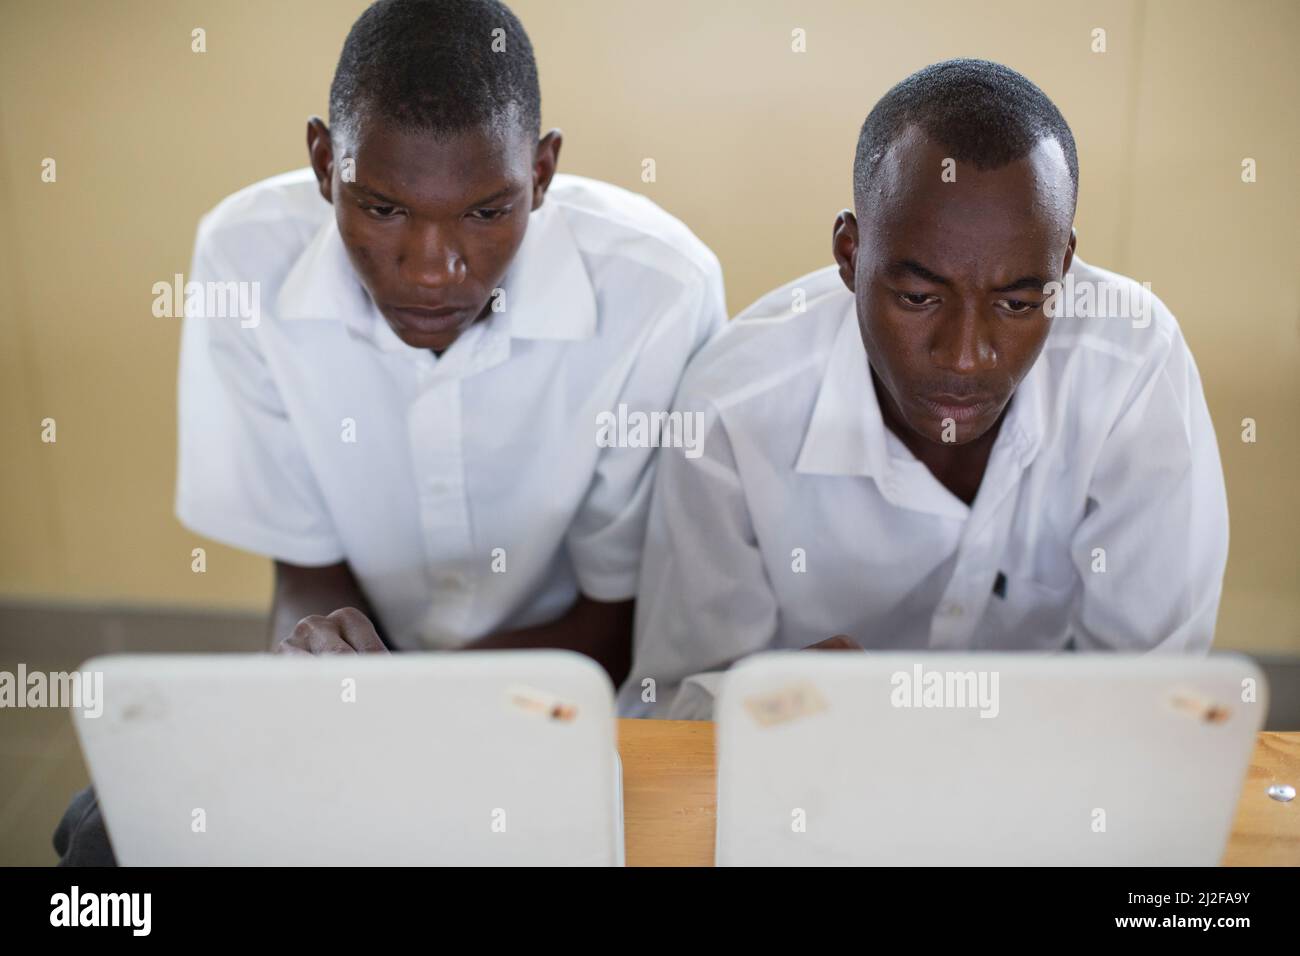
466 758
845 758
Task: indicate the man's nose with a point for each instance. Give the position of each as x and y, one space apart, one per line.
962 343
431 257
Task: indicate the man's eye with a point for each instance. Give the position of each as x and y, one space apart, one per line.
1018 306
380 212
488 215
915 299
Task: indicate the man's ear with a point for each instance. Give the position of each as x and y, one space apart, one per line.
320 149
1069 251
545 160
844 245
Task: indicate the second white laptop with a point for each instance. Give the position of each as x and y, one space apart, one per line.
903 759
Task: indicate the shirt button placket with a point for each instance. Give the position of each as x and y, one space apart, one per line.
436 437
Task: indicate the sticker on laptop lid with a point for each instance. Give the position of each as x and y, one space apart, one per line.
1197 706
541 703
784 705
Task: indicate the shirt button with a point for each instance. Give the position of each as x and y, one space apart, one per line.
952 609
451 582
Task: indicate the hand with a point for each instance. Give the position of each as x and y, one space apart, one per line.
840 642
345 631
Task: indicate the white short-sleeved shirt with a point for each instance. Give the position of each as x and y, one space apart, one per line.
468 492
1101 522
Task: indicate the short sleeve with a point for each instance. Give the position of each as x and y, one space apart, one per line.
242 476
705 599
606 538
1153 543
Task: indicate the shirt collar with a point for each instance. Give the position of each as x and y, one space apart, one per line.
548 292
846 433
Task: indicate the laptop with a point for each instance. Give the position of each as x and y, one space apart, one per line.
471 758
983 759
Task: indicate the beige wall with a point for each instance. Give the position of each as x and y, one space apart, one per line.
753 146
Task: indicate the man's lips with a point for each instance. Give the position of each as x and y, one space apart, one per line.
960 408
423 319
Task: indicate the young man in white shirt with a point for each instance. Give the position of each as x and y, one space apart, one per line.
411 428
904 451
409 423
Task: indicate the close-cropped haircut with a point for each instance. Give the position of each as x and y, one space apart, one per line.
982 113
437 66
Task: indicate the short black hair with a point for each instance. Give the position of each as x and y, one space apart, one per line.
983 113
437 66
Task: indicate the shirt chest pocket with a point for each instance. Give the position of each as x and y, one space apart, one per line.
1026 615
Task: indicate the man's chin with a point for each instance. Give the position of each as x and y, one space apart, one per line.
434 341
436 332
951 429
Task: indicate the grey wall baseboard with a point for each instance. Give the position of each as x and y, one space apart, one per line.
1283 675
69 634
72 633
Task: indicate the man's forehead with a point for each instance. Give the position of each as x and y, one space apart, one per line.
471 147
918 170
438 166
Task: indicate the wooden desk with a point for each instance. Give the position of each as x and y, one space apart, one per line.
670 800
